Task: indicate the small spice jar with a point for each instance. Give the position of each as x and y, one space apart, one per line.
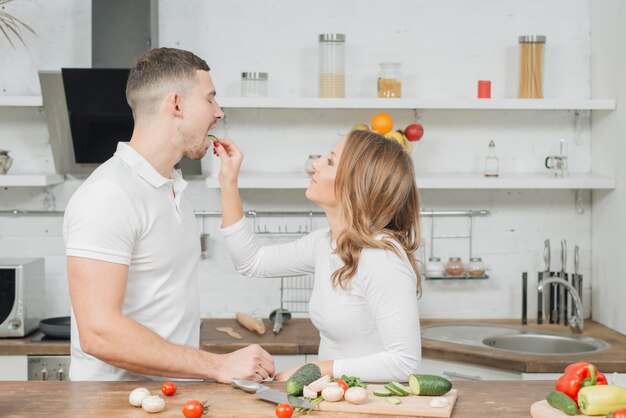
389 82
308 165
253 84
454 266
476 267
434 267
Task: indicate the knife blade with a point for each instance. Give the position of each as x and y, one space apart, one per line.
268 394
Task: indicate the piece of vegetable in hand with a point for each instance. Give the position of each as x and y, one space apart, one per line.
153 404
356 395
213 138
284 410
137 396
320 383
168 388
195 409
332 392
562 402
439 402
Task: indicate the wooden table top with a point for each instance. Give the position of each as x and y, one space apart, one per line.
110 399
299 336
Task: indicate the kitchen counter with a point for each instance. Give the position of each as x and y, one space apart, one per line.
110 399
299 336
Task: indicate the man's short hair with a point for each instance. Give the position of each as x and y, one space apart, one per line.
156 73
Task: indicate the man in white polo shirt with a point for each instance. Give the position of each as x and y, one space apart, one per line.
132 240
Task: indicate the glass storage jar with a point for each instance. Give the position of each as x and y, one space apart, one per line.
254 84
332 65
531 66
434 267
454 266
476 267
308 165
389 82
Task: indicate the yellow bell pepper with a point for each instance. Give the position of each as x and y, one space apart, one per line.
600 400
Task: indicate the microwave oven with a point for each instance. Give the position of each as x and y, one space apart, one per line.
22 302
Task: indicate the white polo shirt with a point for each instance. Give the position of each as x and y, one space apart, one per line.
126 213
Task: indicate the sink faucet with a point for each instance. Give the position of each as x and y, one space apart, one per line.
576 322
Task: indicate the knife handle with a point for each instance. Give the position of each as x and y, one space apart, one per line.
245 385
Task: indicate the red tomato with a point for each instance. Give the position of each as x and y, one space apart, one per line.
194 409
284 410
343 385
168 388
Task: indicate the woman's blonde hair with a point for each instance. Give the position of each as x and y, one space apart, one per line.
375 186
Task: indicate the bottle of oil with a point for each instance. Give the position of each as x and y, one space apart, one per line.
491 161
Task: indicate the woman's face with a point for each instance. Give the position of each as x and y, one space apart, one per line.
322 185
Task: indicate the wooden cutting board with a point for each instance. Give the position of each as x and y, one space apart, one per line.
542 409
410 406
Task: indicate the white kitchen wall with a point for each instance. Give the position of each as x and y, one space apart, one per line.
281 37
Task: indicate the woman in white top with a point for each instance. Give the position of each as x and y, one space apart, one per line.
365 292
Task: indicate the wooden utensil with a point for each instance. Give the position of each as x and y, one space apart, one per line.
230 331
409 406
542 409
251 323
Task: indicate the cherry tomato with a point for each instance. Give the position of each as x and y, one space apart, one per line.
284 410
342 384
194 409
168 388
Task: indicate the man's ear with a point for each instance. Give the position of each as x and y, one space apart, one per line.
173 104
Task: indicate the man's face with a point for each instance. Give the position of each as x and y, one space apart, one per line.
200 115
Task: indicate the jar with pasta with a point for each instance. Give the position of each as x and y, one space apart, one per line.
332 65
389 82
531 66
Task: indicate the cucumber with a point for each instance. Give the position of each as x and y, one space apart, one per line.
403 390
562 402
394 401
394 390
303 376
382 392
429 385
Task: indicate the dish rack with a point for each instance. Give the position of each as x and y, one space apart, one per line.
295 291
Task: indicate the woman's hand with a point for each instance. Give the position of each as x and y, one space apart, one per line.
284 375
231 158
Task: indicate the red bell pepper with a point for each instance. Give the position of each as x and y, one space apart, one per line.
577 376
618 413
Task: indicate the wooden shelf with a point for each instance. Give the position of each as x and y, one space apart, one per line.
21 101
30 180
249 180
450 104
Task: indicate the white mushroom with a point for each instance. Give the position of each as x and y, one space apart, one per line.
332 392
356 395
137 396
153 404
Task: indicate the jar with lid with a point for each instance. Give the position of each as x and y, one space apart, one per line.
254 84
434 267
454 266
491 161
308 165
389 81
332 65
531 66
476 267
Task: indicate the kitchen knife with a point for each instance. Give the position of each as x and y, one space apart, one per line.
271 395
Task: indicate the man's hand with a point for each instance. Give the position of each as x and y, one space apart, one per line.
231 157
250 363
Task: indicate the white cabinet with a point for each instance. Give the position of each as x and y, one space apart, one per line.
463 371
14 368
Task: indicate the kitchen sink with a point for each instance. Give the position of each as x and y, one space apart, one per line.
514 339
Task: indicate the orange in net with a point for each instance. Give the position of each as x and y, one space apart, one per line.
382 123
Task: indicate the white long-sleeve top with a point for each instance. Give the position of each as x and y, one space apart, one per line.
370 329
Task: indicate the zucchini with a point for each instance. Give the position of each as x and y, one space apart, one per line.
382 392
393 400
429 385
303 376
562 402
394 390
401 388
